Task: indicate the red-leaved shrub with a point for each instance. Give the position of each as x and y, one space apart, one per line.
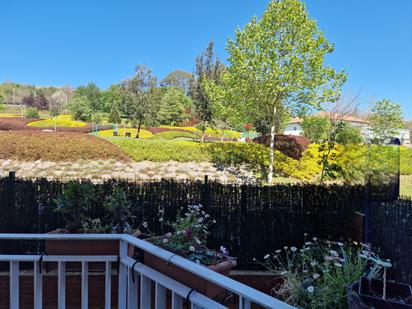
290 145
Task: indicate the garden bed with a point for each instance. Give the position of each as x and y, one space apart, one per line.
56 146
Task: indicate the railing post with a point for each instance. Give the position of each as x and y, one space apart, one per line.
14 285
122 293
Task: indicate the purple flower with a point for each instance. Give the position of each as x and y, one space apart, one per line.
189 233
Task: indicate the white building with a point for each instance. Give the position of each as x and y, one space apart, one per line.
294 127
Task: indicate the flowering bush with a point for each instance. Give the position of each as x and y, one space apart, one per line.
188 237
316 275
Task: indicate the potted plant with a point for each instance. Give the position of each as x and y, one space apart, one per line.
74 204
187 238
315 275
381 293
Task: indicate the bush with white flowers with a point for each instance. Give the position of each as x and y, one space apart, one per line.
315 276
188 236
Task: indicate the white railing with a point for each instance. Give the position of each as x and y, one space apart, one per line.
131 292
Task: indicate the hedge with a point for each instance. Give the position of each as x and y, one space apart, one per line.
57 146
163 150
169 135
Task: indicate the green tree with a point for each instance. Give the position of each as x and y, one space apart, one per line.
114 116
141 98
386 119
277 64
2 102
178 79
173 105
349 135
208 68
111 96
32 112
316 128
92 94
80 109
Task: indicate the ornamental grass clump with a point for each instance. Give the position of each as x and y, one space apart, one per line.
188 237
315 276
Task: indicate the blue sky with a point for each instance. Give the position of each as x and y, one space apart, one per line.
72 42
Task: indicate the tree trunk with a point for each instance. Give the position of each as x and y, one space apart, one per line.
271 153
272 147
138 130
203 135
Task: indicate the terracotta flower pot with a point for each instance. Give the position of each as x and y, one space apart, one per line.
187 278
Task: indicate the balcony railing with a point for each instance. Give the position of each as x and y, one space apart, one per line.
135 280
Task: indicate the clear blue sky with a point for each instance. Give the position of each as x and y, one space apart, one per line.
72 42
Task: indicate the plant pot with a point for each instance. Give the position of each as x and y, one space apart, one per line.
83 247
369 292
187 278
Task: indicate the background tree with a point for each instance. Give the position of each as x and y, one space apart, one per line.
110 97
178 79
114 116
41 102
79 108
92 94
349 135
316 128
277 63
141 99
173 105
208 68
386 119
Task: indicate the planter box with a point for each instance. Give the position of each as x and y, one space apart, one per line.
191 280
369 293
81 247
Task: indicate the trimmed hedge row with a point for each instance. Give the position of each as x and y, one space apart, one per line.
57 146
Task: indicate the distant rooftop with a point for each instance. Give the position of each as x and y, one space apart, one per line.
349 118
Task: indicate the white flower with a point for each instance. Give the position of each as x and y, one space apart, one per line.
197 241
200 220
314 239
313 263
315 276
333 253
144 224
278 251
293 249
308 243
285 247
207 216
192 248
160 219
178 232
225 251
266 256
214 221
338 264
283 273
165 240
340 244
310 289
168 235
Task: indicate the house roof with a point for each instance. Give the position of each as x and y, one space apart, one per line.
348 118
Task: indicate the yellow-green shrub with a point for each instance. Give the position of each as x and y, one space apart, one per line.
57 122
122 132
163 150
169 135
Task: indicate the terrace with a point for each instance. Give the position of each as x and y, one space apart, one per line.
138 286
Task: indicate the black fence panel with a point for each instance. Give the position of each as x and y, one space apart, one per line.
391 234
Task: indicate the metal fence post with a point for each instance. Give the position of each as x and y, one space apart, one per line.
367 210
